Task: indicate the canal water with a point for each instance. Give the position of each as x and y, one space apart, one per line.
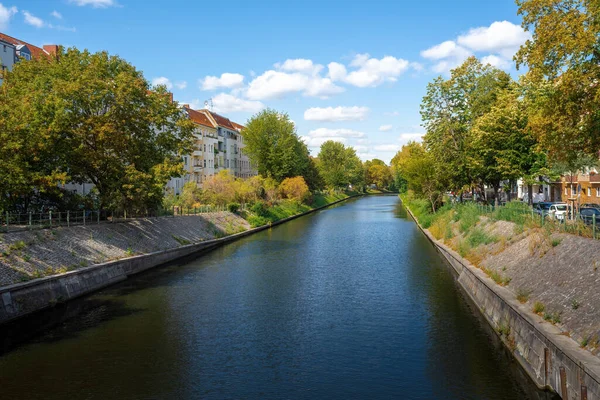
351 302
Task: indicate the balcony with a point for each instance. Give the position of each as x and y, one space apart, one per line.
198 168
197 153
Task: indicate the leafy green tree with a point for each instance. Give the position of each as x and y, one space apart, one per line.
274 146
340 166
449 110
90 118
503 147
379 174
294 189
420 170
563 61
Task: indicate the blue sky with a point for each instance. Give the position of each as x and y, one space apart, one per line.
351 71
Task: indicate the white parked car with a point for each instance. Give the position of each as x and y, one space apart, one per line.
558 211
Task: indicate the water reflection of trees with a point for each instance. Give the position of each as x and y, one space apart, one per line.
462 348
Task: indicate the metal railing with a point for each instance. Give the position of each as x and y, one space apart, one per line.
572 221
15 222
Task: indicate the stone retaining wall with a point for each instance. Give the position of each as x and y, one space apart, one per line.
22 299
552 360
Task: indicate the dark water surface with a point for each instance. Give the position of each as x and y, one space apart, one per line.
351 302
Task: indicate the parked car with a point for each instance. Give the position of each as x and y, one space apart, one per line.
587 214
542 208
558 211
590 205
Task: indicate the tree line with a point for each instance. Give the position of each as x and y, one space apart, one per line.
484 128
84 117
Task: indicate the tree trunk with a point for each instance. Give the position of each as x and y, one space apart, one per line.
496 187
530 194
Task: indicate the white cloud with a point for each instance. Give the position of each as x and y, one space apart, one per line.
446 49
410 137
447 54
316 142
226 80
56 14
385 128
387 147
361 148
317 137
496 61
181 85
330 133
300 65
6 13
276 84
32 20
371 71
331 114
162 81
195 104
337 71
226 103
392 113
95 3
502 37
499 42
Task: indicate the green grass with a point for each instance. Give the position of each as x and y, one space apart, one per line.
181 240
498 278
556 242
17 246
523 295
260 214
553 318
478 237
538 307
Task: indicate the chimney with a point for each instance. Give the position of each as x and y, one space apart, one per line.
186 106
51 49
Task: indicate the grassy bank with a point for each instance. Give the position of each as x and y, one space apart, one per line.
550 270
260 213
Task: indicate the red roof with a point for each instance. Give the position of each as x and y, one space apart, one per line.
199 118
35 51
237 126
221 121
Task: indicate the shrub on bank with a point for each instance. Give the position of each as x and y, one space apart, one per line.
233 207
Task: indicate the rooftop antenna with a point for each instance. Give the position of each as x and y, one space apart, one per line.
209 104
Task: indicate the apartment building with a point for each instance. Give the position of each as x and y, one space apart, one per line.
582 186
230 146
219 145
13 49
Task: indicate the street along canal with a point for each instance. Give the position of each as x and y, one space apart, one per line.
349 302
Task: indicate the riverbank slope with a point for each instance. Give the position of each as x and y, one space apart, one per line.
535 287
42 268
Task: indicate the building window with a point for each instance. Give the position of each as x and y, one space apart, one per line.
598 192
205 147
589 191
204 163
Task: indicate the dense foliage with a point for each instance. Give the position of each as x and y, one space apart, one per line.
83 117
483 128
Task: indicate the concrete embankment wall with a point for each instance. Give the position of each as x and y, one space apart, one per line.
22 299
552 360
